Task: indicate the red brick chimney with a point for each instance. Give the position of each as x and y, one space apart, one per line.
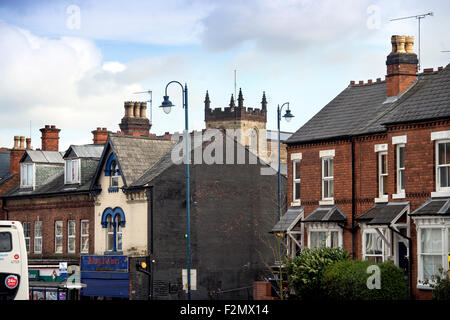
401 65
16 154
50 138
100 135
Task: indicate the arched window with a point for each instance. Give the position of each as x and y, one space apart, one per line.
113 220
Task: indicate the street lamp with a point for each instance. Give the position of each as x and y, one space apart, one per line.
288 117
167 105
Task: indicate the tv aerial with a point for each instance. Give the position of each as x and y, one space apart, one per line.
149 101
418 17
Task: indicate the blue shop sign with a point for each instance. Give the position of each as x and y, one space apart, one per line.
105 263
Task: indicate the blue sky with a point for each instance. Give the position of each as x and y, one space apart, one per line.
74 63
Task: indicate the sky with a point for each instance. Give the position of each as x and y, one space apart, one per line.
72 64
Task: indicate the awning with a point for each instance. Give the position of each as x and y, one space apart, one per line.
433 207
288 220
383 213
326 214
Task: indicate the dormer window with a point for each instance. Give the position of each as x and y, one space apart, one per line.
27 175
72 171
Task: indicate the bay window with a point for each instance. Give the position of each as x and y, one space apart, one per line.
324 238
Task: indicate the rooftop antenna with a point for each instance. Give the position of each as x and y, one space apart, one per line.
418 17
149 101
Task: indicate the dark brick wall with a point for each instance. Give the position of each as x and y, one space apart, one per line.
233 208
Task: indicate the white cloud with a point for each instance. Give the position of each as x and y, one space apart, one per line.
64 82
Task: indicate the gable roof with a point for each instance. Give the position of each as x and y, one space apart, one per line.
135 155
365 109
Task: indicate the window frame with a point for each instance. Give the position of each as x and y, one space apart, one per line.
296 181
24 174
438 166
444 235
327 232
36 237
400 169
381 175
327 178
27 234
71 237
84 236
383 244
59 236
72 178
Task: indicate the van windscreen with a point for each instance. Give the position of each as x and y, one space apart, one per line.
5 242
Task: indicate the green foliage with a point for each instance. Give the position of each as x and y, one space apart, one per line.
347 280
305 271
441 285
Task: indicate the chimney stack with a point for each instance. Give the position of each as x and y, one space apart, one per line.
100 135
15 155
401 65
50 138
135 121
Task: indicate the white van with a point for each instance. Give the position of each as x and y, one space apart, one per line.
13 262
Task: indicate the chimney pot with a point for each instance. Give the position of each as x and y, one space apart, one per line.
28 141
352 82
378 79
361 82
440 68
369 81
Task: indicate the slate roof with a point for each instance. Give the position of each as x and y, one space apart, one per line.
428 99
365 109
137 154
433 207
85 151
287 219
326 214
39 156
382 213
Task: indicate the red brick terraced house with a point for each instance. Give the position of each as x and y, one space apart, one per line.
370 172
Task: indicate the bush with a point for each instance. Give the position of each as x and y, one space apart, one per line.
347 280
441 285
305 271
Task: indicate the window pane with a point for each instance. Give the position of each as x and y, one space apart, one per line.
297 191
317 239
331 188
84 244
374 243
71 228
443 149
326 192
5 242
402 179
401 157
38 229
23 172
68 170
297 169
330 167
431 266
383 163
443 177
75 169
114 181
385 184
431 240
29 175
325 168
334 239
84 227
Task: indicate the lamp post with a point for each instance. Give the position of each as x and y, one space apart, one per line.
288 117
167 106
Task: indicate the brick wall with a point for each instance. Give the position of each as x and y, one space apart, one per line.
51 209
419 176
